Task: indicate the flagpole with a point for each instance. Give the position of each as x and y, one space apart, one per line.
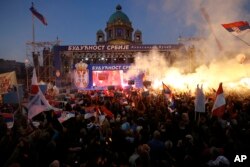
33 30
33 38
242 40
206 16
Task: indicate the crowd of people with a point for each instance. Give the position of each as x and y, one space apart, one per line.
145 129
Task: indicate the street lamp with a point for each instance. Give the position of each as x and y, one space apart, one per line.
27 63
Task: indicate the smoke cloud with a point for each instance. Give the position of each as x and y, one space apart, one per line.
230 65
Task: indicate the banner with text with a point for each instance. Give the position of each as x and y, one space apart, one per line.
108 48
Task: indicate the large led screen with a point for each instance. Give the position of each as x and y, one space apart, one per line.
108 78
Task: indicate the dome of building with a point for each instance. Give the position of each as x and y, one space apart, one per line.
118 15
99 31
138 31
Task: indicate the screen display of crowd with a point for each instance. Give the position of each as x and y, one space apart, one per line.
107 78
100 76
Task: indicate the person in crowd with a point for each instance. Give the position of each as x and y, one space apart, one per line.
140 130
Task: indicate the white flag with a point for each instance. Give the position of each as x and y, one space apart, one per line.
199 100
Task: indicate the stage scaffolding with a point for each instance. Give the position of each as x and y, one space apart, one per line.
40 56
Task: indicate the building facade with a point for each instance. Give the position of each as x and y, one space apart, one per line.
119 43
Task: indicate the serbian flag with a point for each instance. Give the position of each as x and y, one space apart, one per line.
199 100
237 28
220 103
8 119
38 15
166 91
169 97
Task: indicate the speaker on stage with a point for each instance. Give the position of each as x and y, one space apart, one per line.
131 82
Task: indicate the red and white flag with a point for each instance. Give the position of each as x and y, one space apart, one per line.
34 83
219 103
34 78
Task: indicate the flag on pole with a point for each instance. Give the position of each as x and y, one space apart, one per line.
169 97
220 103
38 15
34 83
166 89
34 78
106 111
199 100
237 28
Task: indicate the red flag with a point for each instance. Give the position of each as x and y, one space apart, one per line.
38 15
220 103
106 111
65 115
